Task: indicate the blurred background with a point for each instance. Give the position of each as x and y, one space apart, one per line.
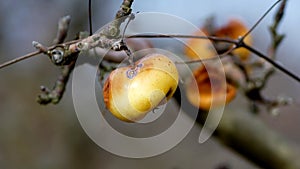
41 137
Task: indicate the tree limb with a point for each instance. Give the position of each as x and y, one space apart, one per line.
245 133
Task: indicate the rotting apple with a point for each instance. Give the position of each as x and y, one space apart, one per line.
224 91
133 91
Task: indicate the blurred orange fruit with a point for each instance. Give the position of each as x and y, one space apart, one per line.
203 49
203 84
234 29
199 48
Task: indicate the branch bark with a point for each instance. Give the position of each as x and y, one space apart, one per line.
245 133
248 135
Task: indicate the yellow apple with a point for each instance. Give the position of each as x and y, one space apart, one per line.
133 91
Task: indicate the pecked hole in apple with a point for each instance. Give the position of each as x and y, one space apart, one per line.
133 71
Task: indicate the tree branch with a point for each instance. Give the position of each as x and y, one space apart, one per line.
62 55
54 96
248 135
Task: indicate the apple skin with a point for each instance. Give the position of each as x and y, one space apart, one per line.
133 91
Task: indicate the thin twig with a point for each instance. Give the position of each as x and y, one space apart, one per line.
260 19
273 63
213 38
63 26
54 96
90 17
29 55
220 56
35 53
239 44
